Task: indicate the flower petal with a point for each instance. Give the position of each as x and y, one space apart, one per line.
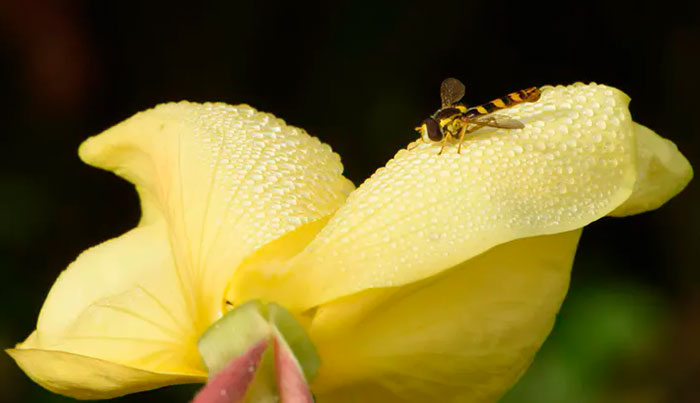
465 335
89 378
662 172
216 183
121 302
226 180
573 163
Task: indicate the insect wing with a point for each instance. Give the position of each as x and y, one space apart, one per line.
499 121
451 91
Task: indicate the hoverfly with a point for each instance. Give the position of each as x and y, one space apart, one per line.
454 119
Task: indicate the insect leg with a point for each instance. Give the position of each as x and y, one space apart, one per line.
462 131
444 142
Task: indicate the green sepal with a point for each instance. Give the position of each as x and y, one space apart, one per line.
232 335
240 328
296 338
263 389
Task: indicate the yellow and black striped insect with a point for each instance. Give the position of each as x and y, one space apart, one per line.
455 119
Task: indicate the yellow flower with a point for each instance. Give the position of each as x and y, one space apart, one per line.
436 280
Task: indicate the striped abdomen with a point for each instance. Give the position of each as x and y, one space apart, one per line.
531 94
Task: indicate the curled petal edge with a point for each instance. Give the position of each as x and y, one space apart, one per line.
662 172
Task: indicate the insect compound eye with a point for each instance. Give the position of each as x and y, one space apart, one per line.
432 129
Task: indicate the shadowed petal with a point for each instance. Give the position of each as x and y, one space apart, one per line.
464 336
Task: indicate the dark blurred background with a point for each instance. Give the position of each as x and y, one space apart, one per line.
359 75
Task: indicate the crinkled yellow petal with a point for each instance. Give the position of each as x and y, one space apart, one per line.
89 378
662 172
465 335
573 163
216 183
226 180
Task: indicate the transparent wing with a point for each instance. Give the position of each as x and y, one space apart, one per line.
451 91
500 121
